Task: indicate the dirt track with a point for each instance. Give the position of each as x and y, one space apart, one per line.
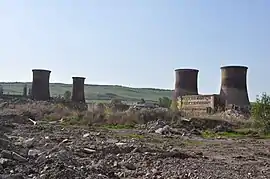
55 151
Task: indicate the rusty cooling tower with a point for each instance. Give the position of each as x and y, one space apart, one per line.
40 84
78 89
233 90
186 82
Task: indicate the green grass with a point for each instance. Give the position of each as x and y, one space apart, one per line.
240 133
96 93
210 134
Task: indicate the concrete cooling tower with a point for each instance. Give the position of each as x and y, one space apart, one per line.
186 82
40 85
233 90
78 89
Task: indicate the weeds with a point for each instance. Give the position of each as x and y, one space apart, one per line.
240 133
261 113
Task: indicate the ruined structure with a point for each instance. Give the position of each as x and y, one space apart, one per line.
78 89
40 84
233 90
208 103
186 82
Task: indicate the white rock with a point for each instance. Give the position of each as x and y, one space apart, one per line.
86 135
28 142
120 144
3 161
159 130
34 152
89 151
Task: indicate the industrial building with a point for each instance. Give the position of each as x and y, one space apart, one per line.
233 91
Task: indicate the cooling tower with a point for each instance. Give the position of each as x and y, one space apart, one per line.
78 89
233 90
40 85
186 82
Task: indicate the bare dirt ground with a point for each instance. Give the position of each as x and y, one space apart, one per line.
51 150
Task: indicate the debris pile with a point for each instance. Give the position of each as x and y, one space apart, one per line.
236 114
52 152
32 146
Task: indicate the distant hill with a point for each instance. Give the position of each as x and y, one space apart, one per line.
96 92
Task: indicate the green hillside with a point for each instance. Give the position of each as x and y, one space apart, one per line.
96 92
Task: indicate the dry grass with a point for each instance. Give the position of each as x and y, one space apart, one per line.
68 115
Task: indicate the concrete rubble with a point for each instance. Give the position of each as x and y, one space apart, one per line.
232 113
159 149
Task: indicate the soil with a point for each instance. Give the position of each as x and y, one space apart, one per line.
54 151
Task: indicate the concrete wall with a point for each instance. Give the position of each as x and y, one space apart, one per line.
199 102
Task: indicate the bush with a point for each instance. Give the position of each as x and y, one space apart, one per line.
165 102
261 113
67 95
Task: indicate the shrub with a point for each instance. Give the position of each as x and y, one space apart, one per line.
165 102
67 95
261 113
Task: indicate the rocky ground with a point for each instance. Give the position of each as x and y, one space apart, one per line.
52 150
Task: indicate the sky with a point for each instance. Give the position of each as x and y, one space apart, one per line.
137 43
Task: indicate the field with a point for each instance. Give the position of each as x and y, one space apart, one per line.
52 140
101 93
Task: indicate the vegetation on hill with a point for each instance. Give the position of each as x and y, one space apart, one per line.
96 92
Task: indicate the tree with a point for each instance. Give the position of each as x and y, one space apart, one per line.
260 112
30 92
142 101
67 95
165 102
1 90
25 90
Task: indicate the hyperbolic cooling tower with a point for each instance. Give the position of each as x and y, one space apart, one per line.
186 82
233 90
40 84
78 89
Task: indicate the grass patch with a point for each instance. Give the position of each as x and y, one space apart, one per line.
239 133
233 134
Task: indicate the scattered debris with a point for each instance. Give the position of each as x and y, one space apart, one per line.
34 122
232 113
13 155
89 151
34 152
45 149
86 135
